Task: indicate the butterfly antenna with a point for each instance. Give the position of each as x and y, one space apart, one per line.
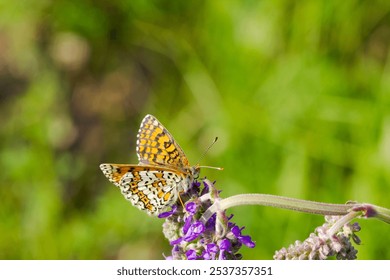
205 152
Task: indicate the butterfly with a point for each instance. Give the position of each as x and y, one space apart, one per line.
163 172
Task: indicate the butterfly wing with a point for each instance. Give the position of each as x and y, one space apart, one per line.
149 188
156 146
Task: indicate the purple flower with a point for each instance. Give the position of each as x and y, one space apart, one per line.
196 185
321 245
176 241
191 239
191 255
194 231
236 231
210 251
191 207
244 239
247 241
224 246
187 224
167 214
206 188
210 225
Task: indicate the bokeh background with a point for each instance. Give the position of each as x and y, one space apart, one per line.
298 93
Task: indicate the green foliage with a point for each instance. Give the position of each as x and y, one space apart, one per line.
297 91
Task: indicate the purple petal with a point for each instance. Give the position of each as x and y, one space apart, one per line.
236 231
206 255
211 222
205 189
167 214
231 225
191 207
194 231
210 252
212 248
225 245
175 252
247 241
191 255
195 184
177 241
222 255
205 183
187 224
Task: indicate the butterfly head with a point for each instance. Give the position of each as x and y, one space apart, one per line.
195 171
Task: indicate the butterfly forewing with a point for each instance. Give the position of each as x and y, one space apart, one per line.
156 146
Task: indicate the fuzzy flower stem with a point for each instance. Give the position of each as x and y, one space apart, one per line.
300 205
383 214
342 221
371 210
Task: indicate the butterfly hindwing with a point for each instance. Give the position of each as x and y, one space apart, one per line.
149 188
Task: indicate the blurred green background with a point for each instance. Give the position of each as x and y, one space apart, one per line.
298 93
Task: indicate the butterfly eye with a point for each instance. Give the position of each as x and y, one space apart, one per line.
195 170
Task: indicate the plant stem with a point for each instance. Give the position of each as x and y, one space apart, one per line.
364 209
342 221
